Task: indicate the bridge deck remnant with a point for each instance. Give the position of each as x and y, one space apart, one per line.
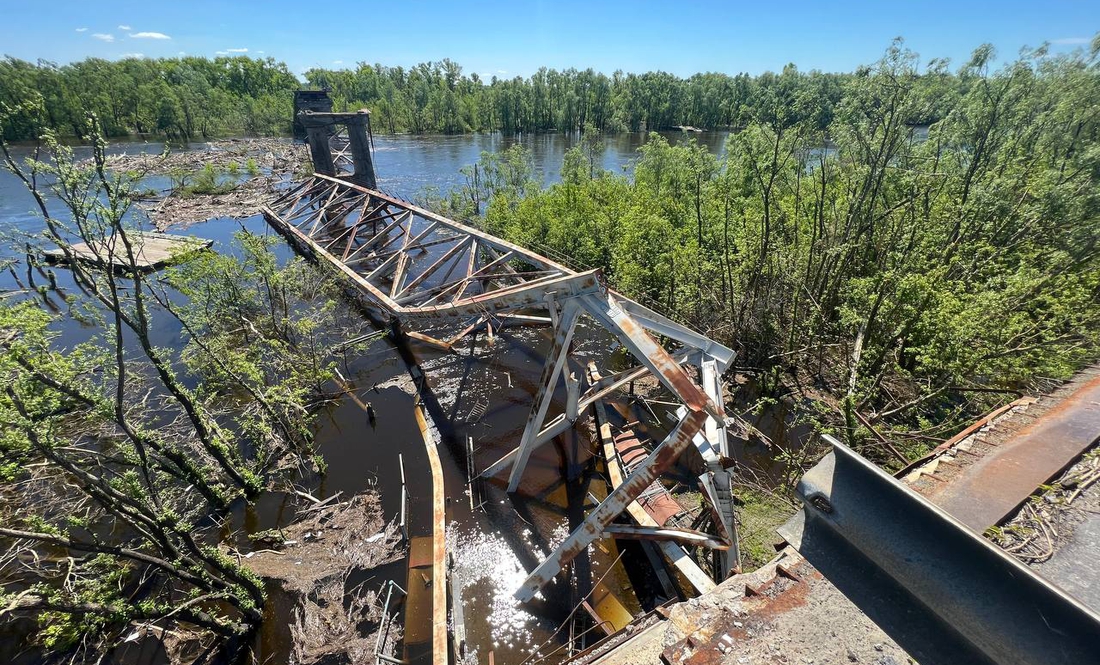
439 280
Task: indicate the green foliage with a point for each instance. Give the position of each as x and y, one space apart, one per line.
759 515
255 322
438 97
179 98
129 452
189 96
206 181
887 271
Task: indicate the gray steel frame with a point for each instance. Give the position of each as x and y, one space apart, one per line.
941 590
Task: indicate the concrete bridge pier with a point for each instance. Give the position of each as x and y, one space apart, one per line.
320 133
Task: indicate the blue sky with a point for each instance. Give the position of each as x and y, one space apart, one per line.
504 38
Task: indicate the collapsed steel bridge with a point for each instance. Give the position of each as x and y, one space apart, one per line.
439 280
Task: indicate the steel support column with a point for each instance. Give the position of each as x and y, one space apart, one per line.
555 360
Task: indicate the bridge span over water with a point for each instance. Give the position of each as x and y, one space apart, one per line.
917 570
439 280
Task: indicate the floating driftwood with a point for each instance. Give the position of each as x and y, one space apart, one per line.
152 251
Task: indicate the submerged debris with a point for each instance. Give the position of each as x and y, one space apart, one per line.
250 170
334 620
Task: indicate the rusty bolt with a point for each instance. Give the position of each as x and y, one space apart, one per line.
821 503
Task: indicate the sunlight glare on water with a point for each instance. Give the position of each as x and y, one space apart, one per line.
486 561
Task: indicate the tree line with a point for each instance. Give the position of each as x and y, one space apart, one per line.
897 280
192 97
176 98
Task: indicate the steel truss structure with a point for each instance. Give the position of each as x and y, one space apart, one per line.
439 280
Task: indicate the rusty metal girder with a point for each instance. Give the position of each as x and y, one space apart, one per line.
686 536
658 461
563 334
635 337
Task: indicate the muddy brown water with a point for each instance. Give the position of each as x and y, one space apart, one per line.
482 392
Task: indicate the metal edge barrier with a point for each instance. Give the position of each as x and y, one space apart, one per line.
943 592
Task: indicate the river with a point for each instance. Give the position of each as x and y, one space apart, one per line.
482 393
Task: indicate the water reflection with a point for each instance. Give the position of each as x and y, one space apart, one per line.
487 572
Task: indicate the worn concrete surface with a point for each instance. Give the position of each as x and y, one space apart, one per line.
1075 564
790 615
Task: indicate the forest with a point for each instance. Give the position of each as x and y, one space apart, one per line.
892 277
193 97
177 98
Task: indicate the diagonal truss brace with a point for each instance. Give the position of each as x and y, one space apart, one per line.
593 526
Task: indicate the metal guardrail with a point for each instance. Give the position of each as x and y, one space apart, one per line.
940 590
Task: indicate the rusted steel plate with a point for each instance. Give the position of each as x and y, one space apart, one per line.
655 500
662 325
439 546
974 427
996 485
641 344
687 536
421 554
615 476
418 628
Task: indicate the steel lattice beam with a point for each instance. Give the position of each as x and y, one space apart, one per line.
426 272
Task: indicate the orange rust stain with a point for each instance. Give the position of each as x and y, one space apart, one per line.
1073 401
790 598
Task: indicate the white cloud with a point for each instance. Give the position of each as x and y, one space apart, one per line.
103 37
1071 40
236 50
502 71
82 30
125 27
260 52
337 62
149 35
132 55
220 53
183 52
